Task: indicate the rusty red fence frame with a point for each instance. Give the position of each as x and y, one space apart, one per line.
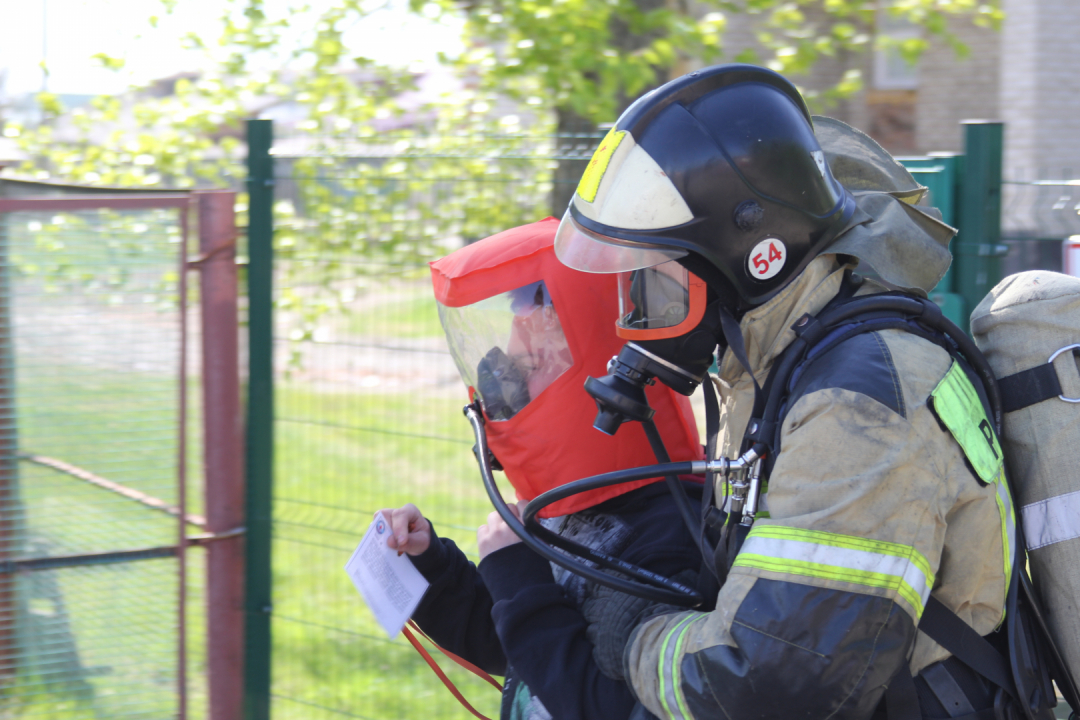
223 445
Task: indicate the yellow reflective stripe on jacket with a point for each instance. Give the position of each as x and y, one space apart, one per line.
670 655
1008 527
829 556
957 405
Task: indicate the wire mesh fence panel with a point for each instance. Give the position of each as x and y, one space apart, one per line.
1037 217
90 356
368 402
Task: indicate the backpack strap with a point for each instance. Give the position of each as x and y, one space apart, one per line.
1029 387
947 690
945 628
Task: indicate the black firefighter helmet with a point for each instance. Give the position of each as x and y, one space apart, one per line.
719 170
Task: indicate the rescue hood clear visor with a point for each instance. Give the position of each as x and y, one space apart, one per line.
591 252
508 347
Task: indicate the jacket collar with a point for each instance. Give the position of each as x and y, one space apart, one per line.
767 329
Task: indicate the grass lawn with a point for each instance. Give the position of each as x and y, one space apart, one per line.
328 651
99 641
410 314
107 634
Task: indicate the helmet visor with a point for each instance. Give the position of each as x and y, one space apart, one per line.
659 302
591 252
508 348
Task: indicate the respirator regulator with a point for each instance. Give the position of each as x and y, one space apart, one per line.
653 311
680 361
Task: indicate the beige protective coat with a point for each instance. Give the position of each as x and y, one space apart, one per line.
850 466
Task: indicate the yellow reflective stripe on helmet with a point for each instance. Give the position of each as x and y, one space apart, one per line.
958 407
830 556
669 669
594 173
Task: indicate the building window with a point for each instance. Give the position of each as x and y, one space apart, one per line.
891 70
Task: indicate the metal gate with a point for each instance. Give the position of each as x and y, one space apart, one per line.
97 458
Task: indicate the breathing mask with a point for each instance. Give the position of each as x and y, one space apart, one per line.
671 319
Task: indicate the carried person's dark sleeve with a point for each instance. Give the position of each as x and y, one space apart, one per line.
455 611
546 637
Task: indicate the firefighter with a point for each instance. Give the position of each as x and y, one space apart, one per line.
887 484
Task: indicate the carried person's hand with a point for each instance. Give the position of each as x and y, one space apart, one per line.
497 534
411 532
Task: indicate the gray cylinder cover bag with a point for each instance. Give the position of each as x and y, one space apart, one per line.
1026 320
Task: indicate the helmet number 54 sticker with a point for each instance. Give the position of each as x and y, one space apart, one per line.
767 258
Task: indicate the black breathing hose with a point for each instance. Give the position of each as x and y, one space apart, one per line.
649 585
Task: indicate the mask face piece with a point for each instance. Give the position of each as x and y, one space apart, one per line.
502 387
659 302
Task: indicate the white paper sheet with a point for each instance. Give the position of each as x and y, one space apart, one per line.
391 586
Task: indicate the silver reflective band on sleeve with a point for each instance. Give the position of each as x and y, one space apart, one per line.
898 569
1052 520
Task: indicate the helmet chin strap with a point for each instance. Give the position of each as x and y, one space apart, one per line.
733 336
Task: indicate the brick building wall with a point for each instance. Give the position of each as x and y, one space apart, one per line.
1027 75
1040 90
952 89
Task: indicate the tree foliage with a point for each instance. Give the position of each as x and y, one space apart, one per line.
354 199
360 200
592 56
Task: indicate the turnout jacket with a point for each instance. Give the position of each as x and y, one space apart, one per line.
888 486
517 615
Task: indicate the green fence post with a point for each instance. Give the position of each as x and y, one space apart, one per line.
940 172
260 419
977 249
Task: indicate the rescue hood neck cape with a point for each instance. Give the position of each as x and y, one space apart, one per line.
549 440
905 242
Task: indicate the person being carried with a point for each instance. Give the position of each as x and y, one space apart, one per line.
515 614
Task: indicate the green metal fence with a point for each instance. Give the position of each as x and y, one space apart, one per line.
966 188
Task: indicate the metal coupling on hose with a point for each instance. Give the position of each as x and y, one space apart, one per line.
725 467
743 476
